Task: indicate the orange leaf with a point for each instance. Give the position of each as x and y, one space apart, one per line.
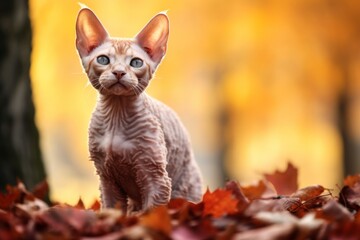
285 182
219 203
157 219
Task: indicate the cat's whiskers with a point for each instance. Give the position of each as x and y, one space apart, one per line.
135 90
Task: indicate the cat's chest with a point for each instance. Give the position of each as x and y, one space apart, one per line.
115 142
125 138
125 130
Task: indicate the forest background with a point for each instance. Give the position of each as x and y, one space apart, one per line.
257 83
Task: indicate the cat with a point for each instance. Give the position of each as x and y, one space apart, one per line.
140 149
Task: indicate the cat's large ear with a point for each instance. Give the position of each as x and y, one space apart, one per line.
153 37
89 32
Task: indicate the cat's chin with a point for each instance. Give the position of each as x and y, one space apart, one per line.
118 91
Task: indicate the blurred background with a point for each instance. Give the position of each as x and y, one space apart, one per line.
257 84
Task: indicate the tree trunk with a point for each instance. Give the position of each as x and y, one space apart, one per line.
20 156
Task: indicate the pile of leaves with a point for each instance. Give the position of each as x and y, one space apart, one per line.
274 208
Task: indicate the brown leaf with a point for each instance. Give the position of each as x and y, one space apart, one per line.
219 203
157 219
276 231
350 197
333 211
307 193
201 230
285 182
273 205
41 190
66 221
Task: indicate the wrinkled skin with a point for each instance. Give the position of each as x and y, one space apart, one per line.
140 148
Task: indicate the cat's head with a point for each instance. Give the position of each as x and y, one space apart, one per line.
120 66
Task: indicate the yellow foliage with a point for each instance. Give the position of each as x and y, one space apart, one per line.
275 68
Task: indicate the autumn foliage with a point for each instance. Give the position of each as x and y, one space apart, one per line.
274 208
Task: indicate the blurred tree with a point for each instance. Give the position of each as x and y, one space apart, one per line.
20 156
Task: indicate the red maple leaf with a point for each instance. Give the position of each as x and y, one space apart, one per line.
220 202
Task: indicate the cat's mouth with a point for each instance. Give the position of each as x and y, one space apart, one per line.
114 85
118 84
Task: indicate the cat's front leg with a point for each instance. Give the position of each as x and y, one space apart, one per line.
155 186
111 195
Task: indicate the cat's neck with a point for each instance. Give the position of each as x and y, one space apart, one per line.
128 105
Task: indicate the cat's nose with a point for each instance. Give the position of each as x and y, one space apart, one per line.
119 74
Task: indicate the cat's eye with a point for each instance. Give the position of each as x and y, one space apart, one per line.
136 62
103 60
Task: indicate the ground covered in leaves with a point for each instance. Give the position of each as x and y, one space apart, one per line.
274 208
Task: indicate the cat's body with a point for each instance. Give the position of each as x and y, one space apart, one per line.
140 149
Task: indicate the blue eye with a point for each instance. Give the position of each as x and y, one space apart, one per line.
103 60
136 62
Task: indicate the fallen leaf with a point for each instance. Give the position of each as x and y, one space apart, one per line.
350 197
259 190
219 203
333 211
279 217
7 200
65 221
234 187
307 193
347 230
201 230
157 219
41 190
95 205
285 182
273 205
352 180
277 231
80 204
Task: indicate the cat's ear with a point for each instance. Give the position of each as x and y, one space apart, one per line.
153 37
90 33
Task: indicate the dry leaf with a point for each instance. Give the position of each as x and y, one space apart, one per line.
272 232
350 197
219 203
157 219
95 206
307 193
352 180
333 211
261 189
234 187
285 182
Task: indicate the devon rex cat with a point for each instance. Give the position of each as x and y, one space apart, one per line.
140 148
